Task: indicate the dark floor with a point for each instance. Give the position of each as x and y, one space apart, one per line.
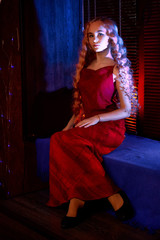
27 217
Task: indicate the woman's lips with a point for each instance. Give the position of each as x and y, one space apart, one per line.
96 45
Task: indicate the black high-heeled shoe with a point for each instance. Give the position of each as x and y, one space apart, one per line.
70 222
125 212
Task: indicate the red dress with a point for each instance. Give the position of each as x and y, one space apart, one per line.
76 169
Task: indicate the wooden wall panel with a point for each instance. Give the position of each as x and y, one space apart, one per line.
11 139
151 126
130 35
18 164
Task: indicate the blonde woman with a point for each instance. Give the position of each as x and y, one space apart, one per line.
103 87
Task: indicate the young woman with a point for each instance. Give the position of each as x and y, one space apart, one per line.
102 100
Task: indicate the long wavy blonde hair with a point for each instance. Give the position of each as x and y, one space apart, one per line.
119 54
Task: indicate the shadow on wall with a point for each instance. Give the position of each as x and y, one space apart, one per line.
51 41
51 112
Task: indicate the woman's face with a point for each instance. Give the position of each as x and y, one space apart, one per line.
97 37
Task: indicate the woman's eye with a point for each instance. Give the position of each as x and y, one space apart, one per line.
100 34
90 35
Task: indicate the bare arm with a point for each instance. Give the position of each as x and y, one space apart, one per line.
121 113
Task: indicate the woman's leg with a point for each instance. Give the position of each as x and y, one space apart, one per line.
71 219
74 205
119 202
116 201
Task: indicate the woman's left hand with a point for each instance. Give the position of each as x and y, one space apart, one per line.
88 122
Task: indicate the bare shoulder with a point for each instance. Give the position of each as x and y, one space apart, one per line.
116 70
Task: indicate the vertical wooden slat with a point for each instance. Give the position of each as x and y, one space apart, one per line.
140 22
130 36
11 139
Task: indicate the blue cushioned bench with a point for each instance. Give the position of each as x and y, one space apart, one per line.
135 167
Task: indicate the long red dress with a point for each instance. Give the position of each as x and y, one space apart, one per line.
76 169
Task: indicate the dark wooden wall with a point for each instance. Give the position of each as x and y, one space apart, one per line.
149 87
11 139
39 50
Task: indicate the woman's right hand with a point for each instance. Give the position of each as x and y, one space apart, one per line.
74 120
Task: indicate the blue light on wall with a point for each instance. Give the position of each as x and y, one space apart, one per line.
60 38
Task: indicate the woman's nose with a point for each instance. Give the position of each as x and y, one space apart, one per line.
95 39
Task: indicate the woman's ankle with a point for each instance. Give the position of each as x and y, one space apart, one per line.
74 205
116 201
